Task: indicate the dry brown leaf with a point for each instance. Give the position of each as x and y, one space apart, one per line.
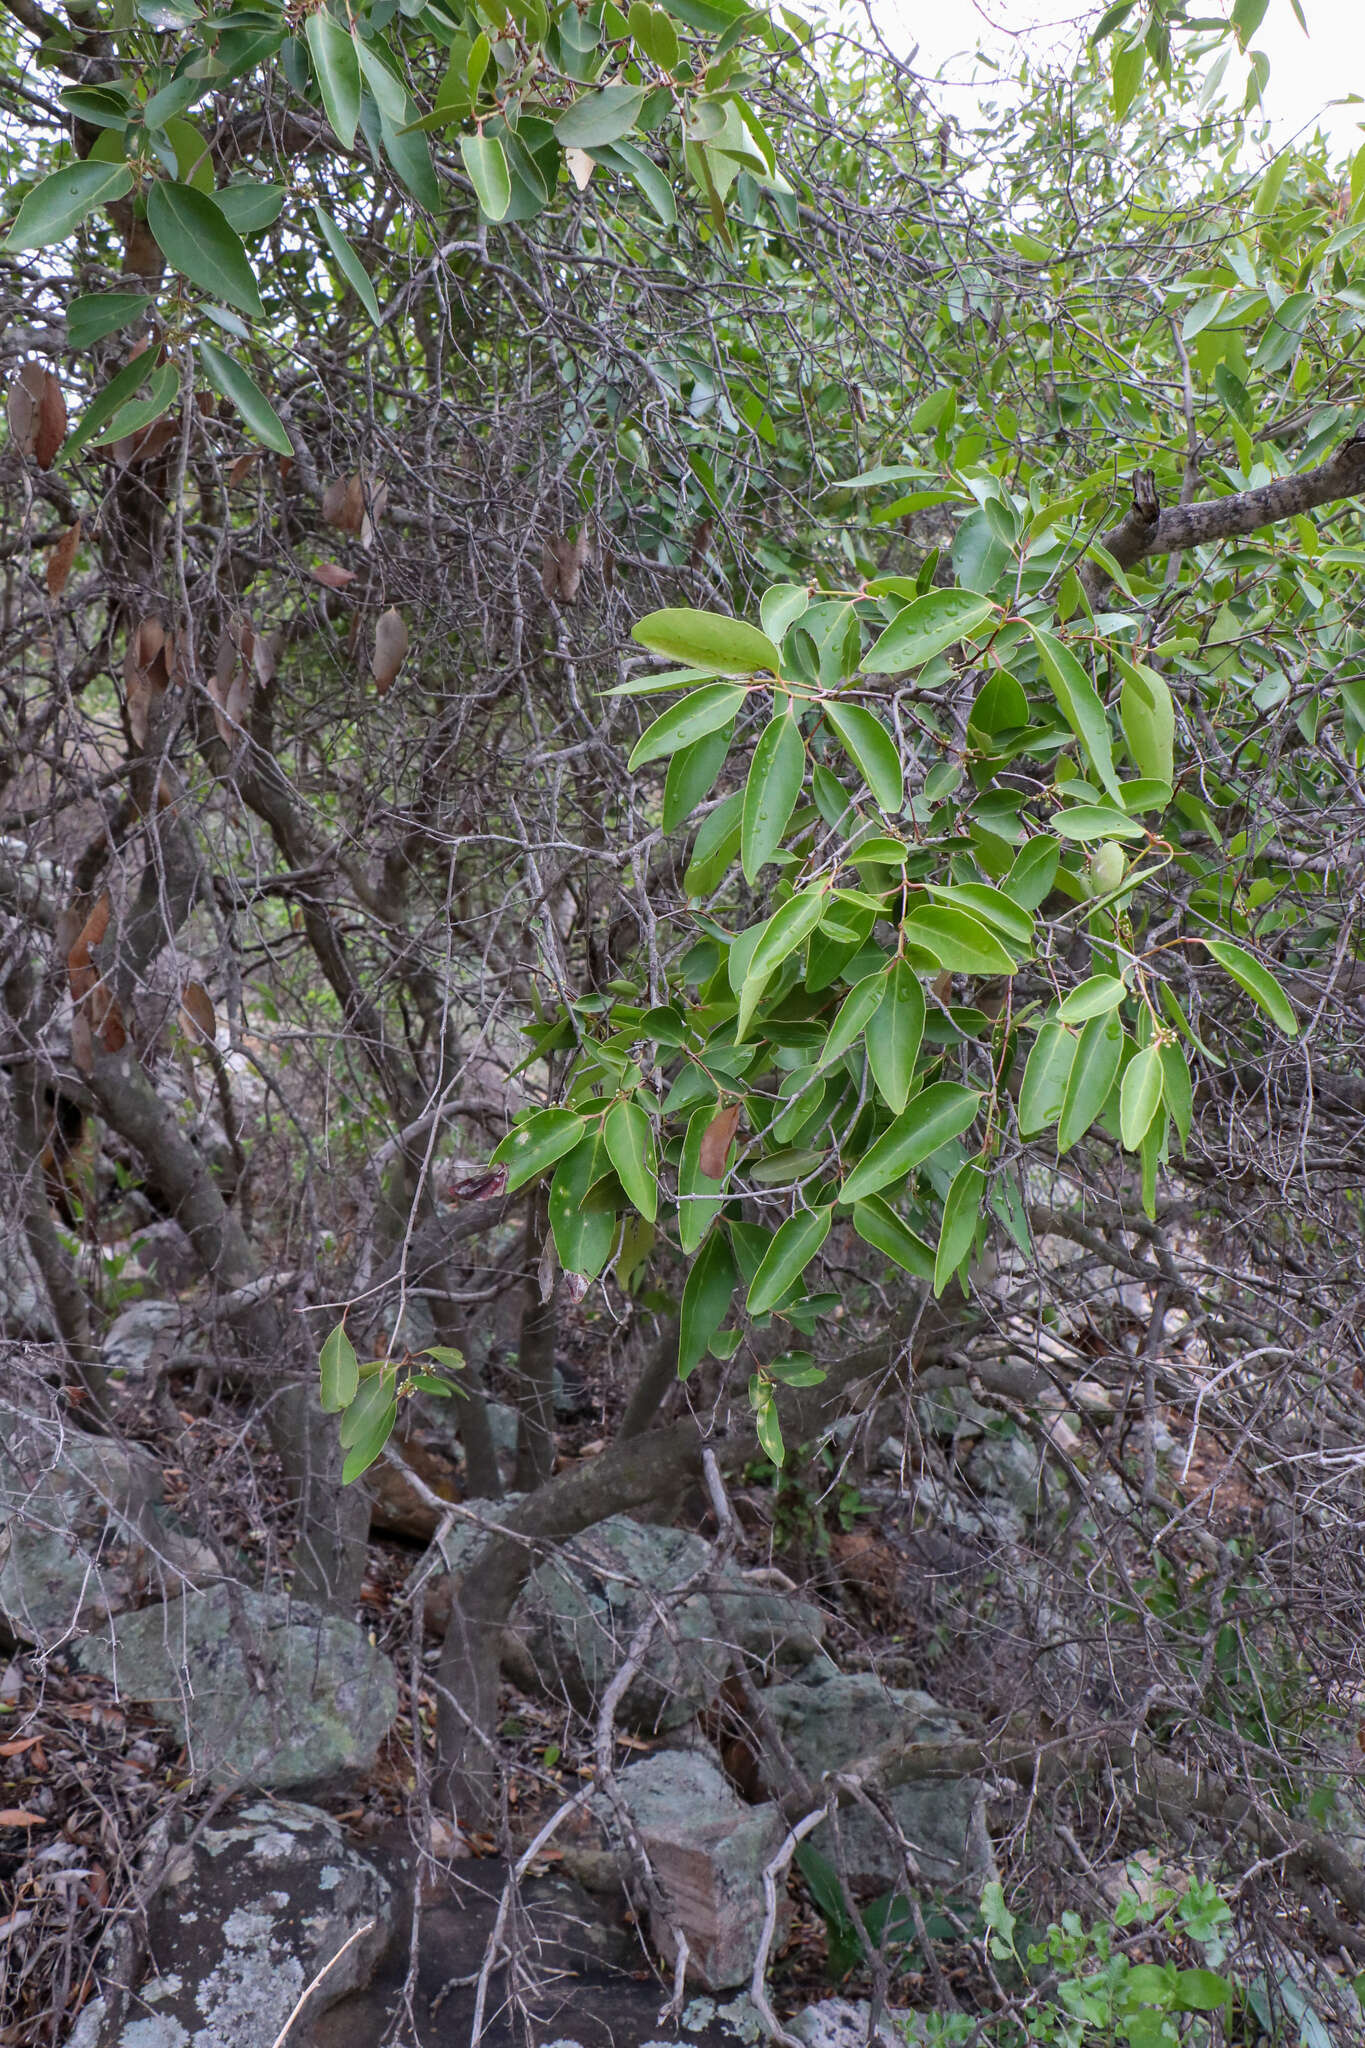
147 663
19 1817
265 656
79 961
82 1044
37 414
343 503
580 167
331 575
715 1142
106 1018
561 566
197 1018
390 648
17 1748
142 447
60 560
242 468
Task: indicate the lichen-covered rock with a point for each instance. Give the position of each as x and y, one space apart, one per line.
844 2022
832 1718
262 1690
245 1920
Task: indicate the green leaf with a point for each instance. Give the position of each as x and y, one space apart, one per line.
338 1371
791 1251
714 847
797 1369
780 607
171 100
248 209
633 163
1140 1096
59 203
690 719
88 320
783 933
1092 999
961 1210
925 628
251 402
858 1006
536 1144
116 392
776 774
708 640
1097 821
486 162
409 153
367 1406
699 1202
1043 1089
196 240
370 1443
1078 703
1259 983
1030 880
583 1237
1148 718
691 775
768 1427
871 749
959 943
894 1033
348 263
877 1224
1177 1090
1093 1067
995 909
140 412
941 1113
629 1136
705 1302
1201 1991
599 117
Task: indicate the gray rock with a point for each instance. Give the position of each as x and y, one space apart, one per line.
706 1852
832 1718
142 1339
262 1690
1008 1467
843 2023
77 1535
246 1920
25 1316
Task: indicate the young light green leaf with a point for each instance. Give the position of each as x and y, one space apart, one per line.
486 162
705 1301
337 66
961 1210
894 1032
774 783
1078 703
338 1371
1092 999
59 203
707 640
690 719
781 606
768 1427
543 1139
1043 1089
791 1251
346 260
877 1224
629 1137
858 1006
1096 821
1091 1079
1259 983
871 749
196 240
925 628
1140 1096
941 1112
251 402
959 943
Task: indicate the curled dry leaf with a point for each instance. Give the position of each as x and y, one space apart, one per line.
82 1043
79 963
265 656
331 575
390 647
197 1018
242 468
561 567
60 560
343 503
232 681
37 414
146 445
715 1142
580 167
483 1185
148 670
106 1018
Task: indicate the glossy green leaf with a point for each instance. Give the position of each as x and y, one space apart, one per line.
59 203
370 1441
338 1371
538 1143
367 1406
705 1302
992 907
583 1236
600 116
871 749
196 240
337 68
702 712
959 943
894 1032
1092 999
89 319
1030 880
932 1118
1043 1089
1079 704
699 1202
1097 821
251 402
714 847
116 393
691 775
486 162
347 262
1177 1088
858 1006
163 388
783 933
791 1251
776 773
1140 1096
708 640
250 208
769 1428
629 1138
925 628
1148 718
877 1224
1259 983
961 1213
1094 1065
